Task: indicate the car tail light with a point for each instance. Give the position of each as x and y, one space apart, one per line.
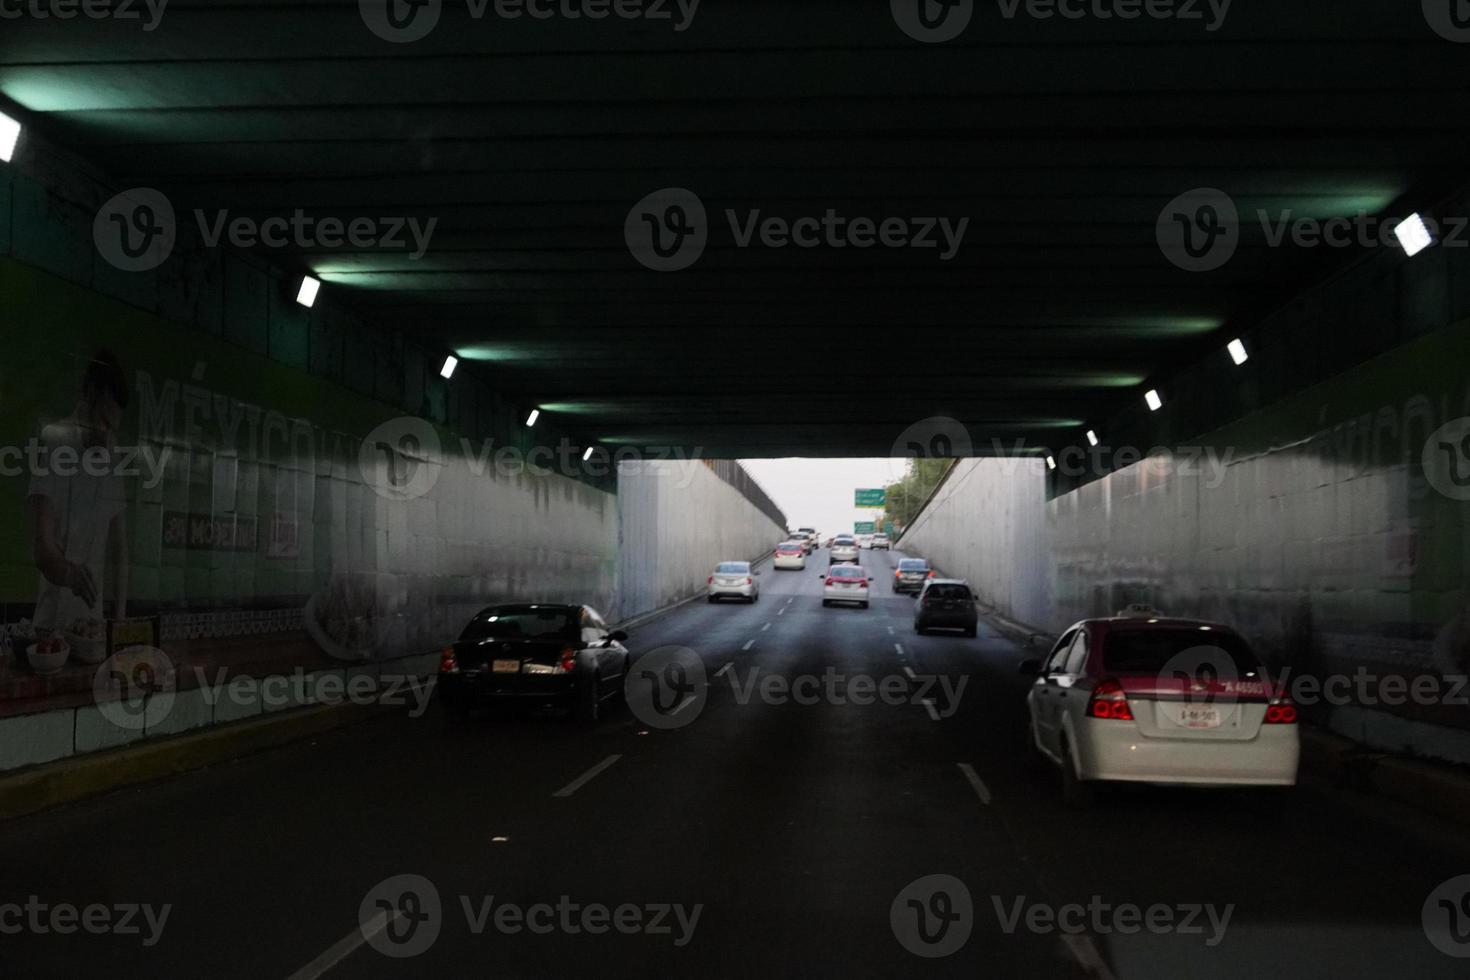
829 580
750 581
931 573
710 580
1281 712
1109 701
568 660
447 662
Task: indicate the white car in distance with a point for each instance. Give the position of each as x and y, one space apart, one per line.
846 583
733 580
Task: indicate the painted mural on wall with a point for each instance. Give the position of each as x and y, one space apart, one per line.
245 514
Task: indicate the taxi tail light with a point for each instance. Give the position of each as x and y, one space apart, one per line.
1281 712
447 662
1109 701
750 581
710 580
568 660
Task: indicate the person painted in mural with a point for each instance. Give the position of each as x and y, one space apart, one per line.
77 504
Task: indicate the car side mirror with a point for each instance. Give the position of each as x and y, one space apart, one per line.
757 573
1030 667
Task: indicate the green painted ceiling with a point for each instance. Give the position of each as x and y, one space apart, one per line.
529 141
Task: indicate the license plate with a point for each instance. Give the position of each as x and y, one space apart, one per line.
1199 716
506 667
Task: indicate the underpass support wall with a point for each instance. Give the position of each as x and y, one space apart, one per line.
1332 529
677 519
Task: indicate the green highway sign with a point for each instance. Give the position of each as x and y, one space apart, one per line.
870 498
888 528
863 527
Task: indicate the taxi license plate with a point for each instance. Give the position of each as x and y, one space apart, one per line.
506 667
1199 716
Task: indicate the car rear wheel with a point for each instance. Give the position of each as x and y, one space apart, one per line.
970 631
863 604
919 629
1076 793
589 703
826 602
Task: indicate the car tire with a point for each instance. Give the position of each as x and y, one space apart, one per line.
711 598
971 632
918 629
1035 760
589 703
826 603
863 604
1077 794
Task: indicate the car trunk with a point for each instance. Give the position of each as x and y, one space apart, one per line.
1196 710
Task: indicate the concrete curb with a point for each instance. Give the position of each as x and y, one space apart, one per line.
42 787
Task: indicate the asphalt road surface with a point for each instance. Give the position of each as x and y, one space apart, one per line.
773 831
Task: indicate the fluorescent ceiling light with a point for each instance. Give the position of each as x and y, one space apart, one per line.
1413 235
531 419
1091 438
587 455
1154 401
1237 352
9 136
450 363
1051 464
306 295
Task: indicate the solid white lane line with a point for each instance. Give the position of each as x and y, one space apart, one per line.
748 645
593 773
1087 956
725 669
342 948
909 672
928 704
974 778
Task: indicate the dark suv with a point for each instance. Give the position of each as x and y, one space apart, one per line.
946 603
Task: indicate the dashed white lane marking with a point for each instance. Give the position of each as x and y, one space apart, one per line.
928 704
898 649
1087 956
725 669
909 672
343 948
890 631
596 770
780 611
765 627
975 782
748 645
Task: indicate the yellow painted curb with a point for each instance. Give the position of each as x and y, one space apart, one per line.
68 780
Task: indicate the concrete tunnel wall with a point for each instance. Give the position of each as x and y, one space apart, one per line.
271 542
678 519
1330 529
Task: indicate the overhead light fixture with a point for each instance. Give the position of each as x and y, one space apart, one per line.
1051 464
1237 351
1091 438
1413 234
9 136
306 295
587 455
531 419
450 363
1154 401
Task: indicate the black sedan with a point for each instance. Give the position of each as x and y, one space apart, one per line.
946 603
561 656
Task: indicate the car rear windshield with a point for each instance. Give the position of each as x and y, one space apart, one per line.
948 592
912 564
1149 651
844 572
521 624
732 568
789 546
